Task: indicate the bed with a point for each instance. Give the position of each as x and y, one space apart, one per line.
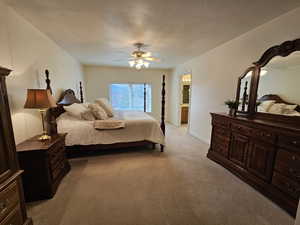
140 128
274 104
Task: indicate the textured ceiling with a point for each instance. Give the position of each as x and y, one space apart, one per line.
102 32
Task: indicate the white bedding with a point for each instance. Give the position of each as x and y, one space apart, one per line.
139 126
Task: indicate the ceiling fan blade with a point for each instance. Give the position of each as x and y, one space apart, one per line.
151 59
147 54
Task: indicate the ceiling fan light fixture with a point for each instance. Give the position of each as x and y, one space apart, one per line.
140 59
131 63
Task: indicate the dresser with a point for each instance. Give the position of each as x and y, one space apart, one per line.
264 154
12 207
44 164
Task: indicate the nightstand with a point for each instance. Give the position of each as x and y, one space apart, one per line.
44 164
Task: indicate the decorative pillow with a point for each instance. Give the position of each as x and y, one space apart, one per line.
277 108
103 102
288 109
98 112
266 105
88 115
75 110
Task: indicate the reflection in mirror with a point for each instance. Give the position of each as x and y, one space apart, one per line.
245 92
279 84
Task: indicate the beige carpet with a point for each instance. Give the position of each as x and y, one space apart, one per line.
146 187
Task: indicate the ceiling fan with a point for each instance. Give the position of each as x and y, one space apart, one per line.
139 58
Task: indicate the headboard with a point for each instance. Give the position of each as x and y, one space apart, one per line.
277 99
68 97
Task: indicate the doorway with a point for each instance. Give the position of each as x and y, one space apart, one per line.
185 100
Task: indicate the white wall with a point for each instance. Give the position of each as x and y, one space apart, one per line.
215 73
283 82
98 79
28 53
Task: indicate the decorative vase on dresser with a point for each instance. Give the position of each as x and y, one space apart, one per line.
261 143
12 206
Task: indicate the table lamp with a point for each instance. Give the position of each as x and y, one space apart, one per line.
40 99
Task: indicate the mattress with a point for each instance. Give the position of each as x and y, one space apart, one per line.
139 126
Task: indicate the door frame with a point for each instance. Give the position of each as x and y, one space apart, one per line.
180 98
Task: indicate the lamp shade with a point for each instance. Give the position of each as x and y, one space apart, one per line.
39 99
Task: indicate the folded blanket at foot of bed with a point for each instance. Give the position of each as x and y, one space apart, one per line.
109 124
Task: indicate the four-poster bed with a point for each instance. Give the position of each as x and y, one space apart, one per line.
68 97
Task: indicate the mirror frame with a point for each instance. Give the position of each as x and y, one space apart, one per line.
283 50
254 76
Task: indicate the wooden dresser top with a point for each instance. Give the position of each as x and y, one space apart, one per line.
269 123
33 144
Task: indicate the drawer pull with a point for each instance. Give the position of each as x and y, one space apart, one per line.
293 157
292 189
294 172
295 142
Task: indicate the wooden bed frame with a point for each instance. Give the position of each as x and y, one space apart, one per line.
68 97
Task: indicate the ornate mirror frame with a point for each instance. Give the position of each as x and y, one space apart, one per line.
283 50
252 96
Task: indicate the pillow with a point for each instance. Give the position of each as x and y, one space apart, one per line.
266 105
289 109
277 108
75 110
88 115
98 112
260 109
103 102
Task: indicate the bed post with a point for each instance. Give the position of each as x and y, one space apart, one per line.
145 99
50 121
81 93
163 102
48 81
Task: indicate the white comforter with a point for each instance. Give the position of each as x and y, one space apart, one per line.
139 126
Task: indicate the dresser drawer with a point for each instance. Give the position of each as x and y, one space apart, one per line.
14 218
286 185
292 142
288 163
221 131
263 135
241 129
9 198
221 121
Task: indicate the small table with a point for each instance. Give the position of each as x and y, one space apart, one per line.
44 164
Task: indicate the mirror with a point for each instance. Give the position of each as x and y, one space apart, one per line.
243 90
279 86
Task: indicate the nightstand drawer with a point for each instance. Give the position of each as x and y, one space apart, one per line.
9 198
58 170
56 148
14 218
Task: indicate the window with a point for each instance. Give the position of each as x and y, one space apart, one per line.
131 97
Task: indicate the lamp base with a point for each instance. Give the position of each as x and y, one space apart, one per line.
44 137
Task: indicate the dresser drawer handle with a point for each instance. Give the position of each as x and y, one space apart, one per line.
294 158
294 172
295 142
292 189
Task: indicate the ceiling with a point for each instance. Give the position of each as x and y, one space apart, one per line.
102 32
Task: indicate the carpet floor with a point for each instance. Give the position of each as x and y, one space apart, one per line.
145 187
